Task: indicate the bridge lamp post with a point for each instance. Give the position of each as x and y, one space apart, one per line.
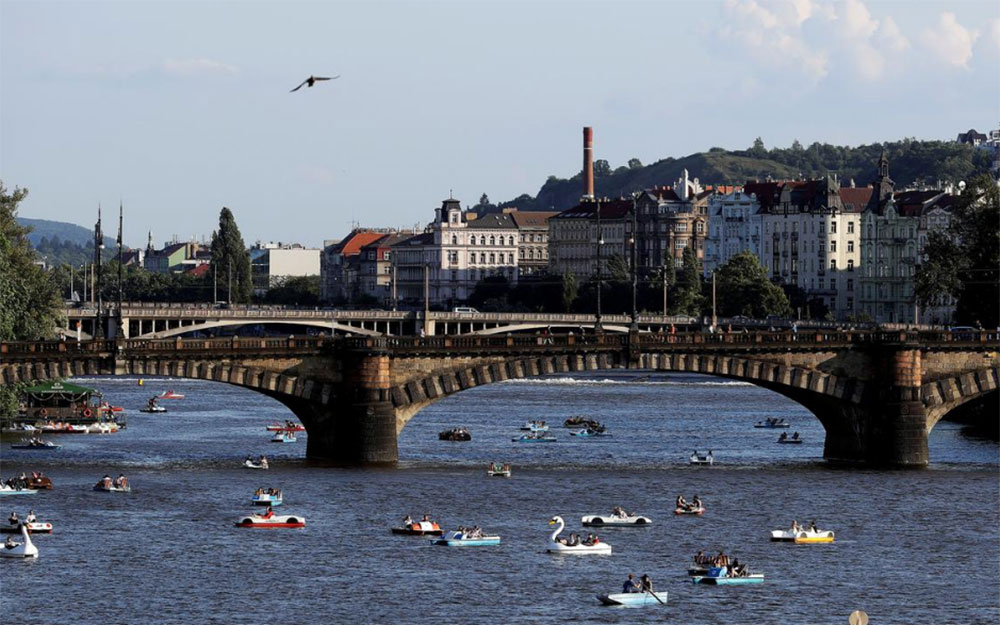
633 240
598 328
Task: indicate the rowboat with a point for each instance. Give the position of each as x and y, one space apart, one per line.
37 446
789 441
460 539
419 528
616 520
250 464
802 536
7 490
535 438
633 598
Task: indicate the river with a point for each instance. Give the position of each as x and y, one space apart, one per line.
914 546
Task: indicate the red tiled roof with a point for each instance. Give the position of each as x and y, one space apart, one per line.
855 199
353 242
526 219
200 270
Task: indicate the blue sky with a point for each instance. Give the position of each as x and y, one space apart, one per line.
179 108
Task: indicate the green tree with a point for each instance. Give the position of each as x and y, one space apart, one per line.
229 254
743 288
601 168
570 290
297 291
618 269
29 301
634 163
689 299
964 261
758 148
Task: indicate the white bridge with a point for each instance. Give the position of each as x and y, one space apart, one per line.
140 320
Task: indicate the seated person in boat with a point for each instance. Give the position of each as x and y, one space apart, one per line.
106 481
122 481
630 585
696 503
784 436
267 513
795 436
682 503
475 532
407 521
812 526
263 461
619 512
646 583
13 519
426 518
9 543
31 517
592 540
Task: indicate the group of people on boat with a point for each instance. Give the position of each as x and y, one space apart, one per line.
20 482
276 492
773 421
34 441
455 434
734 568
15 520
471 532
694 504
536 424
261 460
796 528
643 584
408 520
584 422
620 512
784 436
119 482
574 539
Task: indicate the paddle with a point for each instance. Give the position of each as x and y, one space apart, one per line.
650 591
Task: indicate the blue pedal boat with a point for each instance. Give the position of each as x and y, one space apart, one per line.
459 539
718 576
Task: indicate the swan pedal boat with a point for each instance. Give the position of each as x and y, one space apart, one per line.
27 549
46 446
698 510
34 527
555 546
420 528
804 536
7 490
459 539
277 427
717 576
273 521
606 520
267 499
253 465
633 598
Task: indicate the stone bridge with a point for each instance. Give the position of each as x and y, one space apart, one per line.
878 394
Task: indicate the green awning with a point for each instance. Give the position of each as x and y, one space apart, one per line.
59 387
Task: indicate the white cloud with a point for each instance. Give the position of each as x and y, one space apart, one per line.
196 67
858 21
774 36
950 42
995 29
889 33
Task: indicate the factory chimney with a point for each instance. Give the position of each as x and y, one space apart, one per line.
588 162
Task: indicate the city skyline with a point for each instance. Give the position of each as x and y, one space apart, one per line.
178 110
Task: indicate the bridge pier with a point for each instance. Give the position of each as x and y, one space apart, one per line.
888 426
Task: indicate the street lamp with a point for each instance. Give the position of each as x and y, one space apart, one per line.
598 328
634 327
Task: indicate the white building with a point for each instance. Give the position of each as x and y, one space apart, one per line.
272 263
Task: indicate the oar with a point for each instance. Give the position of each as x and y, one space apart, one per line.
650 591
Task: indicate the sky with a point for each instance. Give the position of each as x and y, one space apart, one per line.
176 109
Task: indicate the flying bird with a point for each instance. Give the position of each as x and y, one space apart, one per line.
312 80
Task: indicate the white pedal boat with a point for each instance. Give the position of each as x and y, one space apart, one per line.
34 527
459 539
7 490
271 521
25 549
803 536
283 437
579 549
267 499
420 528
633 598
706 460
498 470
250 464
614 520
103 488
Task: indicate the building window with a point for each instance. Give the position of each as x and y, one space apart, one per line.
454 240
833 283
833 264
850 227
510 258
701 227
850 303
833 246
850 284
850 264
482 258
493 240
850 246
833 227
493 258
472 258
510 240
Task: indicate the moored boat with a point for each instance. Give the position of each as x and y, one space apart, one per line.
563 546
463 538
634 598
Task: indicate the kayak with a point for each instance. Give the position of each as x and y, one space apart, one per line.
633 598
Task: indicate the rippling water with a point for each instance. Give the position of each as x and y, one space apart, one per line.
168 553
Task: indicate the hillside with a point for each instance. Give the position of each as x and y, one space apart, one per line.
911 162
64 231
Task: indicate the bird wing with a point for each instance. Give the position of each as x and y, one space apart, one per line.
300 86
326 77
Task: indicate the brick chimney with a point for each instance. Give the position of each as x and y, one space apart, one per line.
588 162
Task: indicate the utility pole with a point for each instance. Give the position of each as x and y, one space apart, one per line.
215 284
121 256
598 328
99 261
664 292
634 327
395 292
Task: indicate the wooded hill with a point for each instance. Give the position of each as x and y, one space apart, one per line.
911 163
